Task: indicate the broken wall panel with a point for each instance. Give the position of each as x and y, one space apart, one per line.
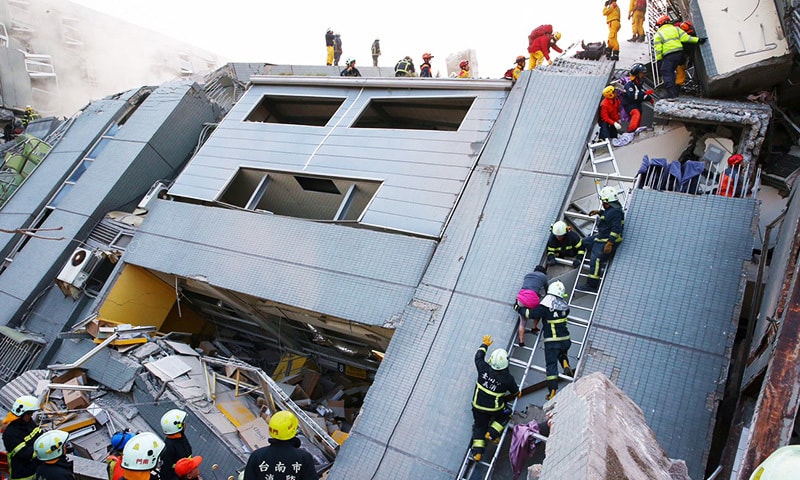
747 50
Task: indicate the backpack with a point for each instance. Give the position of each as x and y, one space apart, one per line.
509 75
591 51
545 29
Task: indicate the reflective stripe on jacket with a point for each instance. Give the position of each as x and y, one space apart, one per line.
670 39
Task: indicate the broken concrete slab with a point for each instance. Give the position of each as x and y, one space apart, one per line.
598 432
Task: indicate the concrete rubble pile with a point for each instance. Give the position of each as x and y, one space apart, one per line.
598 432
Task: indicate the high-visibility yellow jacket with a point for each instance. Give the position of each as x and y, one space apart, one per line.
669 39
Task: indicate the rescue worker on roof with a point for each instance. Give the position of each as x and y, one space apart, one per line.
609 114
668 46
636 12
283 459
405 68
114 458
30 115
563 243
464 66
350 70
176 445
19 434
518 68
51 451
540 49
635 94
608 237
376 51
554 310
494 387
140 457
533 287
329 46
337 48
425 68
611 12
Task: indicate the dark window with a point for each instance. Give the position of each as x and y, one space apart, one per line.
444 114
295 110
313 184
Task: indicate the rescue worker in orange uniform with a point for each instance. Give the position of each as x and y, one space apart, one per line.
730 182
425 68
540 49
464 66
611 12
636 13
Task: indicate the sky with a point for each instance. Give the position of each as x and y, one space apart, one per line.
292 32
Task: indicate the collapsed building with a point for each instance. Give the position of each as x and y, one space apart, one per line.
338 247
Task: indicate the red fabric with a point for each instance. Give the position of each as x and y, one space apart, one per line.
636 117
542 44
545 29
609 110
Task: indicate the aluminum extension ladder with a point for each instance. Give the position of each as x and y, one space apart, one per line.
582 303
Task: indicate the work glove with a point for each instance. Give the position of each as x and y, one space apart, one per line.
594 212
649 92
487 340
702 40
549 62
576 262
617 126
551 260
608 247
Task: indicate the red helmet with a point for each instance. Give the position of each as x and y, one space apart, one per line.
735 159
662 20
426 56
687 27
463 64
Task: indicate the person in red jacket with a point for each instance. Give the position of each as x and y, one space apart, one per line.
609 114
540 49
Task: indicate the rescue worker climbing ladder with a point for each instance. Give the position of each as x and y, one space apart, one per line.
489 410
604 243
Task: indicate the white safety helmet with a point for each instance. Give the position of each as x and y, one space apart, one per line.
608 194
173 421
142 451
498 360
50 445
782 463
557 288
559 228
25 403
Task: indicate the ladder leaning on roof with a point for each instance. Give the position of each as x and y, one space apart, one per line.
603 163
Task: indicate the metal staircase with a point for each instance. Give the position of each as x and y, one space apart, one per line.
528 361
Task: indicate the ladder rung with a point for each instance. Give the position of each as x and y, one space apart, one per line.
578 321
580 307
517 363
599 160
581 216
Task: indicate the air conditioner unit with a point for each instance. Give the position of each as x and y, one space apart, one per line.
153 194
77 270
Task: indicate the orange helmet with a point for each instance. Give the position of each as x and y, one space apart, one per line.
662 20
687 27
735 159
463 64
426 56
520 58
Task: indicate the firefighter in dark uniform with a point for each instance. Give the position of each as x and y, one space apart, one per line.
564 242
19 436
554 310
176 445
51 450
489 410
283 459
608 237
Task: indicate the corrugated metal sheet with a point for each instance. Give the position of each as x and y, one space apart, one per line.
24 384
353 274
665 324
422 171
416 419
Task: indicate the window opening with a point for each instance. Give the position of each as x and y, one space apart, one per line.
295 110
443 114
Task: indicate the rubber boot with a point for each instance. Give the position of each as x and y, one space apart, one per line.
608 53
680 75
635 38
567 369
615 55
551 394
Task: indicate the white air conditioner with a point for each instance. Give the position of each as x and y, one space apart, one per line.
153 194
77 270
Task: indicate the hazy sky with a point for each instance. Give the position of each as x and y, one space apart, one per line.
293 31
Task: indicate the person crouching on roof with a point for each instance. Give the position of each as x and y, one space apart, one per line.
609 114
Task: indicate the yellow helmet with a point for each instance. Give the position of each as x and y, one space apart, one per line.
557 36
283 425
608 92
